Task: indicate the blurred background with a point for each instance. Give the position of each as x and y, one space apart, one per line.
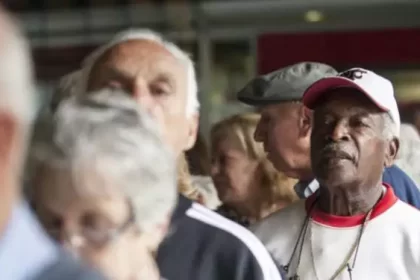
232 41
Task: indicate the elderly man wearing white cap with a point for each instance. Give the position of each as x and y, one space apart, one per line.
202 245
338 232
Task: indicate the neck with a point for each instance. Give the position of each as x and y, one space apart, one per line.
349 202
305 174
257 210
147 269
303 162
249 209
255 206
304 170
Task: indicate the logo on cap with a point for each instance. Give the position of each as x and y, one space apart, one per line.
353 74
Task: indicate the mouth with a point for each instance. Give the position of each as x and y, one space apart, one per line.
336 155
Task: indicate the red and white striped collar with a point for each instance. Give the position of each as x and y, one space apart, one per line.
386 202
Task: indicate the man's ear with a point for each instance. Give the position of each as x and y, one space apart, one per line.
9 161
305 121
8 130
391 152
192 130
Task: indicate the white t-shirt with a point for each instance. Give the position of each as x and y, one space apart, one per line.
389 248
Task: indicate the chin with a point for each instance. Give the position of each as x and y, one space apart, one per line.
335 180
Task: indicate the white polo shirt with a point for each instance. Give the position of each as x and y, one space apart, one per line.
388 250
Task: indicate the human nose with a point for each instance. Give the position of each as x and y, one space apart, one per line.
142 94
72 241
339 132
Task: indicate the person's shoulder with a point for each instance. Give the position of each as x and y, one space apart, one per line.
227 238
407 211
283 218
404 187
68 268
209 220
395 173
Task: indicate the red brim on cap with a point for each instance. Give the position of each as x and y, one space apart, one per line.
323 86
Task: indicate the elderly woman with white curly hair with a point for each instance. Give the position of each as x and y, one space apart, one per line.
104 184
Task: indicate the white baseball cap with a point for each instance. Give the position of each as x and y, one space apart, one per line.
375 87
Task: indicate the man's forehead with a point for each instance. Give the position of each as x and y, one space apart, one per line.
137 48
347 99
281 108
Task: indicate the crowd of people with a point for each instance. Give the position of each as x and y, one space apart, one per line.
111 182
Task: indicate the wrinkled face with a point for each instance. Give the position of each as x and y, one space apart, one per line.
156 79
348 143
234 174
279 131
91 223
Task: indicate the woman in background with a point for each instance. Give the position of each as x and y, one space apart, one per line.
248 185
199 166
103 183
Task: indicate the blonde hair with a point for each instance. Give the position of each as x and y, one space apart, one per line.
185 184
239 129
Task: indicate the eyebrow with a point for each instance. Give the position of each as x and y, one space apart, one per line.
115 73
165 77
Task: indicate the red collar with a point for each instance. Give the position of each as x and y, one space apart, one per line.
386 202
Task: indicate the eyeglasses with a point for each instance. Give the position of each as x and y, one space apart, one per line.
91 236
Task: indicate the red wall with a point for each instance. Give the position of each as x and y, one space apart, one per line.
383 48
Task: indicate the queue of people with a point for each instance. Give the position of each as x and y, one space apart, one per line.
310 186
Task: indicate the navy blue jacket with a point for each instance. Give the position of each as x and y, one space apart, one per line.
404 188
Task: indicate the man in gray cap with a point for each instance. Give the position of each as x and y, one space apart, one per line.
286 124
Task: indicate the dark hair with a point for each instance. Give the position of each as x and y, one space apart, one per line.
198 158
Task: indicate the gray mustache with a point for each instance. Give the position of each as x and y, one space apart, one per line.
336 152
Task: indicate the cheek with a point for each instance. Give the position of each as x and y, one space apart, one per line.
369 150
279 139
233 174
115 261
243 175
173 105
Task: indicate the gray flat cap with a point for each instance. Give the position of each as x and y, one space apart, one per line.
285 84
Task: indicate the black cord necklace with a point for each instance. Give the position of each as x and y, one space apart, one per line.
301 238
299 243
354 250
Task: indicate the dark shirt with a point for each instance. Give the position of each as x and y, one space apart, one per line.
203 245
404 188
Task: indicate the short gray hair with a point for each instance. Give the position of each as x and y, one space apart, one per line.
193 104
390 127
108 132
